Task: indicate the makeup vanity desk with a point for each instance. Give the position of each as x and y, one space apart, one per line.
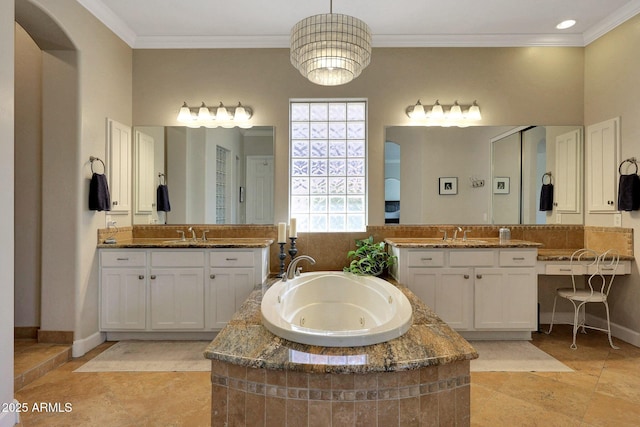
480 287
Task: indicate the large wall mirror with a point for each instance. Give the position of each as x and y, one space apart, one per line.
212 176
476 175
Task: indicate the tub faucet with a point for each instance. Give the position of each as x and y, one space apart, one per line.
291 270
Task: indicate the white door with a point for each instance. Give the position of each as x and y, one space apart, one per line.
177 298
119 150
144 180
506 298
228 289
568 174
603 141
123 299
259 191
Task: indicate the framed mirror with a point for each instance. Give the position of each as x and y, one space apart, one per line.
481 158
209 175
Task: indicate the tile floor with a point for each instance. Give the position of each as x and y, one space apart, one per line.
604 390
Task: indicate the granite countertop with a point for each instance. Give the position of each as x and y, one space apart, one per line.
225 242
429 341
436 242
565 255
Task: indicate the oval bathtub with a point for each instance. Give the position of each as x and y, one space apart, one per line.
336 309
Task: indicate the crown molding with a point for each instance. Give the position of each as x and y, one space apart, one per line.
112 21
128 35
620 16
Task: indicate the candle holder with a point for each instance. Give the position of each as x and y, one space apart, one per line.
282 257
293 250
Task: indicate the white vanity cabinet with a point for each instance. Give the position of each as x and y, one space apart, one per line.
123 290
232 276
480 292
176 290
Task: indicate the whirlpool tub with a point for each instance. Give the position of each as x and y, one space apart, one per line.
336 309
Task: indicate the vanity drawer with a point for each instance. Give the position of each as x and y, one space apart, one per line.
231 259
426 259
564 269
182 258
471 258
518 258
123 258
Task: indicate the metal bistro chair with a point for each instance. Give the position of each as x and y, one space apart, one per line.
596 291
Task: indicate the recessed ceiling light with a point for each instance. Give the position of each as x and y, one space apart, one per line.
566 24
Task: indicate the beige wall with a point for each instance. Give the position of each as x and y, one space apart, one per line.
81 88
514 86
612 90
28 178
6 195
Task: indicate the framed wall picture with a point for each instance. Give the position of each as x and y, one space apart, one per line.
501 185
448 185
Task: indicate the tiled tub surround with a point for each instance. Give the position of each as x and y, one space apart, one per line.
330 249
261 379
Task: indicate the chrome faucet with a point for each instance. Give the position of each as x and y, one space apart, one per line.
193 234
181 233
291 270
455 232
204 235
464 236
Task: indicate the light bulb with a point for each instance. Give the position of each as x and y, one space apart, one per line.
184 115
436 111
203 113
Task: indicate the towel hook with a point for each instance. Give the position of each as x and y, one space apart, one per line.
93 159
162 178
547 174
631 160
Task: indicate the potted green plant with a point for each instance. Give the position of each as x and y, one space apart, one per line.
370 258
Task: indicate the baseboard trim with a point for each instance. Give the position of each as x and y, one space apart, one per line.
10 419
55 337
621 332
169 336
21 332
81 347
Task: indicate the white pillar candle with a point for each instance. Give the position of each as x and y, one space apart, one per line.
282 232
293 232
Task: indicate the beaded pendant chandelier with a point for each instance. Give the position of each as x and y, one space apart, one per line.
330 49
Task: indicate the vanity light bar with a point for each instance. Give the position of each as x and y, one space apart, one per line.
213 117
444 115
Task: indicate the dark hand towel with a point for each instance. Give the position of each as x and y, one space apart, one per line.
99 197
546 197
162 196
629 193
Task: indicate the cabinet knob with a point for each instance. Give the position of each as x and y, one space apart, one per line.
478 276
115 203
466 276
141 277
153 276
212 276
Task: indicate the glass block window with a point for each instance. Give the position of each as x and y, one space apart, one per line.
221 184
328 141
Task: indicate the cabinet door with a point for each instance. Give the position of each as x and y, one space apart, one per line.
144 179
177 298
603 141
448 291
123 299
506 298
568 174
119 151
228 289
